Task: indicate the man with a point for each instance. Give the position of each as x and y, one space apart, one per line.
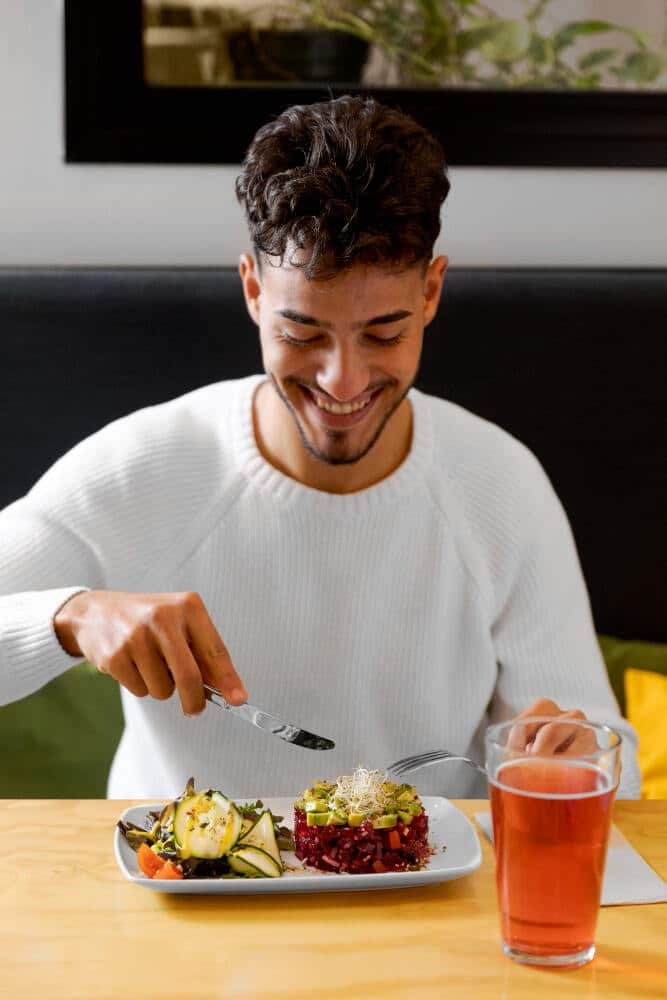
376 565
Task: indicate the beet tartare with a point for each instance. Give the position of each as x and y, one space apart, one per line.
361 824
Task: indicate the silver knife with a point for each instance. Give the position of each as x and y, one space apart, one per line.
269 723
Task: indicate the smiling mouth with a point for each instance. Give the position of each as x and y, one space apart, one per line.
341 413
342 407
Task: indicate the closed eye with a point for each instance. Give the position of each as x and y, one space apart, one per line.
386 341
296 341
373 338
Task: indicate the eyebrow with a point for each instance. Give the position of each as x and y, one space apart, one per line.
297 317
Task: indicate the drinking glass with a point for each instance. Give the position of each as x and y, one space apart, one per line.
551 816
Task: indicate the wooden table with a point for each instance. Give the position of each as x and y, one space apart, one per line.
71 928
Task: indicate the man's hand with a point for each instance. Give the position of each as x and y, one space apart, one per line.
151 643
555 737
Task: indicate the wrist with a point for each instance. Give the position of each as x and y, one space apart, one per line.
66 620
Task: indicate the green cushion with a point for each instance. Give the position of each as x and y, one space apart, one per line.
619 654
59 742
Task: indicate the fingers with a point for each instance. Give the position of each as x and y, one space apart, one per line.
123 670
522 734
184 669
150 664
546 738
211 653
558 736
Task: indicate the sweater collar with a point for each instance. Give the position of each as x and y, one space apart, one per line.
402 482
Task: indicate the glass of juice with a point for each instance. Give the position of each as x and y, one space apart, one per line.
551 794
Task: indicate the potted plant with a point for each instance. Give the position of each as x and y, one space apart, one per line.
286 43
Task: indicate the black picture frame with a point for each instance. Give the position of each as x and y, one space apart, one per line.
113 116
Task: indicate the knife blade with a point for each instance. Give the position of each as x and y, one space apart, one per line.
269 723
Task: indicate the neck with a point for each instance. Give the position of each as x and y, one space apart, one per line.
279 442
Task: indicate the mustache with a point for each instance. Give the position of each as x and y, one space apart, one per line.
314 387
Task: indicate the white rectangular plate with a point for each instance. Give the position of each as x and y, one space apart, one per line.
451 835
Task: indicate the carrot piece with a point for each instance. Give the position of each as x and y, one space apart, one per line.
169 870
148 861
378 866
394 840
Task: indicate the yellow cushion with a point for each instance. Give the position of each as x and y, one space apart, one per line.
646 701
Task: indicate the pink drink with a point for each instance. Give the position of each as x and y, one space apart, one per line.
551 821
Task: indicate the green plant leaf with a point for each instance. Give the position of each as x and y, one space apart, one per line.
541 50
575 29
437 51
640 37
642 67
473 36
590 81
506 42
596 58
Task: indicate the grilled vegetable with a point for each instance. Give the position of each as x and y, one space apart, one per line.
262 835
254 862
206 825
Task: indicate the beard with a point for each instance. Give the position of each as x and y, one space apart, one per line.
338 451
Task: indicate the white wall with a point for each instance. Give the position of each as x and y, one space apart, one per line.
52 213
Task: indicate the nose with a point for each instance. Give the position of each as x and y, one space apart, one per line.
344 374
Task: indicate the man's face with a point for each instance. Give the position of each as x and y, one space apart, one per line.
342 353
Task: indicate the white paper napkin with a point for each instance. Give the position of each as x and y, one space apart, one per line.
627 878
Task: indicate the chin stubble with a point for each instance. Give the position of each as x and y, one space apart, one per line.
336 437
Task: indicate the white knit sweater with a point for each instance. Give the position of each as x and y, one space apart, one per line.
397 619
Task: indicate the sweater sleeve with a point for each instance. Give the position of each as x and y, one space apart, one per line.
112 512
543 632
43 565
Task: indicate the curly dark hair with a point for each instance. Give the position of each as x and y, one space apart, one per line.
347 181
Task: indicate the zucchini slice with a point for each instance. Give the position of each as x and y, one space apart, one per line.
262 835
254 862
206 825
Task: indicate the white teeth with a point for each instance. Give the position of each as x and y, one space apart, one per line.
341 407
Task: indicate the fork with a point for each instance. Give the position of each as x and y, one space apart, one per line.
408 764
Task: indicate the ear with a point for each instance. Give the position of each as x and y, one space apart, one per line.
252 288
433 282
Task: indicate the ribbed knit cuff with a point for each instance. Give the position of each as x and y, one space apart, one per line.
30 653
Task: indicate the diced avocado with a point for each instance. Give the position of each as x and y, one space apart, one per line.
355 819
385 822
414 808
317 819
405 817
337 819
407 795
319 790
316 805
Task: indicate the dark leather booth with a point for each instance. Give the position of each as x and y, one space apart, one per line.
573 362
